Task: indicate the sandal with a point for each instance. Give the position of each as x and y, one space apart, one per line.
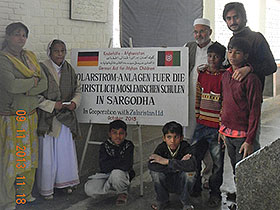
48 197
68 190
160 206
188 207
206 185
122 199
30 199
154 206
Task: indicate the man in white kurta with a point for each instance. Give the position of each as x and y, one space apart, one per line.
197 57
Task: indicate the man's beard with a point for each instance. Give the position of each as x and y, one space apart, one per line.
202 40
239 28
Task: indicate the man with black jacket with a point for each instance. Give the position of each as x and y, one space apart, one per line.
260 56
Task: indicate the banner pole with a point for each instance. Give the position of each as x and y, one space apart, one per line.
110 43
130 42
85 147
140 143
141 158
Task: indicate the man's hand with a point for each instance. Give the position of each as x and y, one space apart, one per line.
154 158
241 73
71 106
247 149
36 81
58 105
222 140
186 157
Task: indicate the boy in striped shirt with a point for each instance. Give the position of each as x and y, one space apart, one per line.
207 108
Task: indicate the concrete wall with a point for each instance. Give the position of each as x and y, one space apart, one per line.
257 179
49 19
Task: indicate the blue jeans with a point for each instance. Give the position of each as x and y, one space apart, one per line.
205 138
180 183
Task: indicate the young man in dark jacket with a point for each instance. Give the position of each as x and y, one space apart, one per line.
260 56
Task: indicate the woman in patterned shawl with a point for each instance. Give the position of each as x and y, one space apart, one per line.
21 80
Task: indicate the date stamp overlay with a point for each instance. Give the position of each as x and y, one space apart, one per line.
20 155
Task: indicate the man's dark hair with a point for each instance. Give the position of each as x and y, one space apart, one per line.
239 44
117 124
238 7
219 49
172 127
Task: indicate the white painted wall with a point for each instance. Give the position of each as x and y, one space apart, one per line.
262 16
49 19
272 27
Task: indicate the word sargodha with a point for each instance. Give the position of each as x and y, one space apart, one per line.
125 100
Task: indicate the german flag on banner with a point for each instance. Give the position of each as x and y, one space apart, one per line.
87 59
169 58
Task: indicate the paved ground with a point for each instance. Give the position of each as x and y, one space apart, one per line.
79 201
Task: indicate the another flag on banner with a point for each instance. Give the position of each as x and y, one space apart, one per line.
87 59
169 58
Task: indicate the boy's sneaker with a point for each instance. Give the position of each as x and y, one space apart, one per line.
188 207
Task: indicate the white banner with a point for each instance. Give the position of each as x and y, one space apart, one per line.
146 86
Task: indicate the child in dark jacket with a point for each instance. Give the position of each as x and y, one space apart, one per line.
172 167
116 165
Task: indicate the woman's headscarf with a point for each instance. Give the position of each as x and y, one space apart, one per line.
51 45
11 28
